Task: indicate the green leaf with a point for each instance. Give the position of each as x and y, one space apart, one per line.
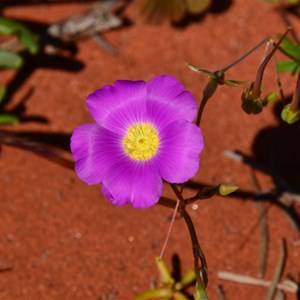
289 47
154 294
186 280
3 90
234 83
295 70
293 50
29 41
9 119
166 278
179 296
6 26
26 37
288 66
198 70
10 59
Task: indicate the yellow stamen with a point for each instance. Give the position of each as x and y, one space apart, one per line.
141 141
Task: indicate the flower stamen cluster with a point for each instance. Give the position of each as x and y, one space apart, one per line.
141 141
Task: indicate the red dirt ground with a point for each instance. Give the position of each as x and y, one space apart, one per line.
61 239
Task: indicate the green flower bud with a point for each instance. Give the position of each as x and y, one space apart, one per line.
252 106
289 115
226 189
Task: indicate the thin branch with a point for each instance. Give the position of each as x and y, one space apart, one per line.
245 55
287 285
220 292
278 271
169 230
262 67
263 249
279 80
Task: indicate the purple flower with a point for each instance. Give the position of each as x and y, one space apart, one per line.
143 134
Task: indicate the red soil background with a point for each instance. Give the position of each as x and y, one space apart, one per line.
61 239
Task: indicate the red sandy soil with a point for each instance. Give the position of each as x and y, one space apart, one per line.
61 239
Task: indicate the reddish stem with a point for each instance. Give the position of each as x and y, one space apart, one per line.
262 67
295 101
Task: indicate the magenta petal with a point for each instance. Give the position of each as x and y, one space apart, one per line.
181 144
111 101
170 92
124 117
160 114
133 183
95 150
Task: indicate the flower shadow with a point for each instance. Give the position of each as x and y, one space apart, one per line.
277 148
10 3
244 195
54 146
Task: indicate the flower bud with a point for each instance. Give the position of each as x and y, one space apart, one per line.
254 104
249 104
226 189
290 116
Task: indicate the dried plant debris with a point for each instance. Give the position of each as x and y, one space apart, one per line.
156 11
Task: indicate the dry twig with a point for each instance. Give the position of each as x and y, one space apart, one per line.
278 271
287 285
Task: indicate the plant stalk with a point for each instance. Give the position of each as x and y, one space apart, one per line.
296 96
201 272
245 55
259 76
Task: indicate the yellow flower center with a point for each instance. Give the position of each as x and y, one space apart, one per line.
141 141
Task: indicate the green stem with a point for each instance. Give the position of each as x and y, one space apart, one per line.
201 109
208 92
